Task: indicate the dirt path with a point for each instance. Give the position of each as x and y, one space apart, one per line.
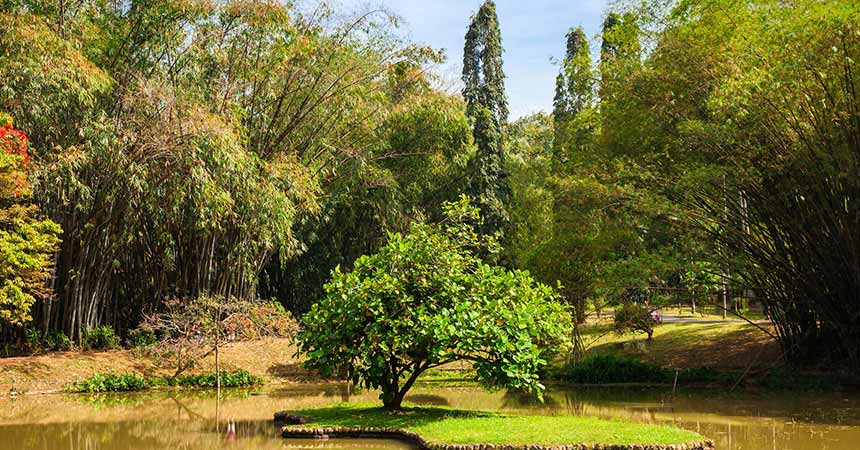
687 319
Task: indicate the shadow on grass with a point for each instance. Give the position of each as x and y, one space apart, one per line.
428 399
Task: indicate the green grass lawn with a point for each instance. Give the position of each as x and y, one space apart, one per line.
722 346
450 426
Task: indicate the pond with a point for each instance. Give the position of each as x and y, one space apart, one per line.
195 420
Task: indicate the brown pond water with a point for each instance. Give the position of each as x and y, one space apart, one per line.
196 421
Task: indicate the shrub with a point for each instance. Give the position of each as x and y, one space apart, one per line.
36 342
271 319
111 383
608 368
7 349
101 338
239 378
33 341
190 329
58 341
140 339
131 382
632 317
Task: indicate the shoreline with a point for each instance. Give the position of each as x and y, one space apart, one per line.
465 430
416 439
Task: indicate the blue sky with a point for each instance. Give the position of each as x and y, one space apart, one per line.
532 32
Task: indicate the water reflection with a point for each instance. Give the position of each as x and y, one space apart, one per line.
194 420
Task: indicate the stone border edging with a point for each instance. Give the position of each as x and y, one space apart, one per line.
301 432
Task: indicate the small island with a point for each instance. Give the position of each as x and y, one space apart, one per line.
434 428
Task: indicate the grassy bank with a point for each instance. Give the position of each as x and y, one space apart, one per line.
724 347
706 352
449 426
273 359
727 346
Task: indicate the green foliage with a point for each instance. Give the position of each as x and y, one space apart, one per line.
238 378
575 82
101 338
755 151
58 341
606 368
51 89
487 107
33 340
632 318
140 339
27 240
620 51
110 383
601 212
488 179
425 145
573 119
483 75
530 152
131 382
609 368
424 300
219 142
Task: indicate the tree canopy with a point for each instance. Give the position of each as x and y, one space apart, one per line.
424 300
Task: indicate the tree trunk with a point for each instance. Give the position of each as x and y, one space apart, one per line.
393 401
217 371
393 398
217 355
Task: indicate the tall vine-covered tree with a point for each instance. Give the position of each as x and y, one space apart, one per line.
483 75
488 179
620 50
574 96
574 89
487 106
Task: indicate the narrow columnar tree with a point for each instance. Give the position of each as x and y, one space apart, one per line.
483 76
488 178
487 107
574 94
620 50
609 46
574 90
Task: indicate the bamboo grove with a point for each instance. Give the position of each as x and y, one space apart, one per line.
246 148
180 145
